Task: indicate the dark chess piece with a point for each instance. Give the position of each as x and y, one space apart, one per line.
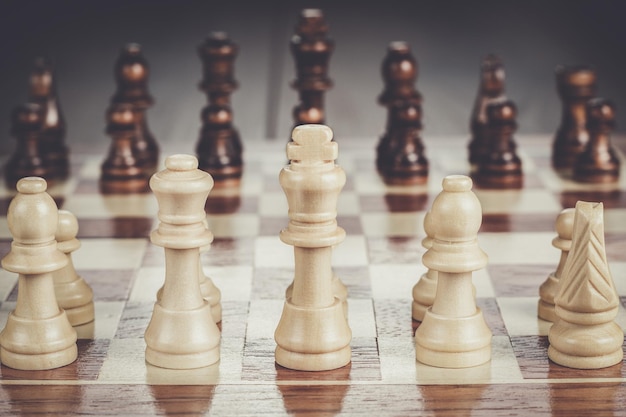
576 85
311 48
131 75
400 156
491 89
121 172
26 125
599 162
500 167
219 147
43 91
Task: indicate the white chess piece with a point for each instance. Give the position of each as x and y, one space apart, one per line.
38 334
182 333
585 335
73 293
549 288
313 333
453 333
425 289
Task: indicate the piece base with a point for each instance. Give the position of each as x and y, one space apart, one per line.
580 362
313 361
26 362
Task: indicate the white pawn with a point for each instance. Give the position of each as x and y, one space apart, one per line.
563 241
182 333
313 333
585 335
73 293
425 289
453 333
38 334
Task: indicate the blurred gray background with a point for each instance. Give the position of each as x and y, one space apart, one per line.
447 37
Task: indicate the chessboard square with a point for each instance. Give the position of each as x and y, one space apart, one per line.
614 220
124 362
270 283
227 251
273 204
369 183
251 184
5 309
234 319
361 318
100 206
233 225
517 201
394 281
134 320
234 282
263 318
393 224
618 273
108 314
519 280
5 233
109 284
91 354
271 226
271 252
482 283
518 248
147 282
397 359
8 281
118 227
351 252
395 250
356 279
393 318
110 254
91 168
502 368
520 316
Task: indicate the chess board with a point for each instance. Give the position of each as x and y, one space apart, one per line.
379 261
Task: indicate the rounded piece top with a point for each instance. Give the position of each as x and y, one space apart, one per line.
32 214
181 162
312 144
399 47
457 183
32 185
565 223
68 226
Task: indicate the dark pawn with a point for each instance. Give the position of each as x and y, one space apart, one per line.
500 167
219 147
599 162
400 153
576 85
399 71
52 144
131 75
491 89
400 156
27 161
311 48
120 171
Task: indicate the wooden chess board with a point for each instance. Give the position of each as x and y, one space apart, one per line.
379 261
